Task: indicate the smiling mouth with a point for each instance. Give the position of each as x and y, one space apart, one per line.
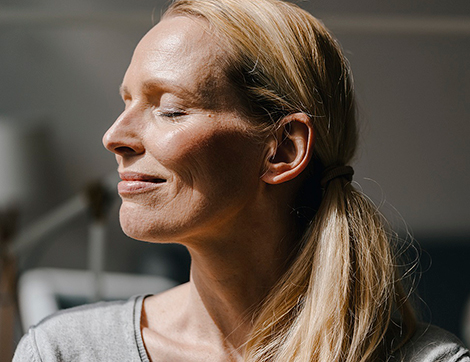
137 177
135 183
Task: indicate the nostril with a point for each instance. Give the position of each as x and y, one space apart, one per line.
124 150
123 139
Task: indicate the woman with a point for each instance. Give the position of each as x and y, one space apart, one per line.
236 139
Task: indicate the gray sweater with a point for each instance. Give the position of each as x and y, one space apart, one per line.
111 332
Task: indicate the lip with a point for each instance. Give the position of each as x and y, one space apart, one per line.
136 176
134 182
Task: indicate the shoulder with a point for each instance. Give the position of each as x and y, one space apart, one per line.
432 344
97 332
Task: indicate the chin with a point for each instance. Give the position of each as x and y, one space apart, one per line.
134 223
142 225
142 233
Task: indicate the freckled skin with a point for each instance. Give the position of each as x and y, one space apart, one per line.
210 161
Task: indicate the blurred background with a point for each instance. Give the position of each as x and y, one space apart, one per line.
61 63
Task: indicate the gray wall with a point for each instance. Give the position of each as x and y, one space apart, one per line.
61 63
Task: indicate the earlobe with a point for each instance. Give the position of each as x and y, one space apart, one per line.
290 149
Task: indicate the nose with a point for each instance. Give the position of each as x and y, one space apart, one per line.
123 137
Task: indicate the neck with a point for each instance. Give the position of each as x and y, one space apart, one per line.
230 278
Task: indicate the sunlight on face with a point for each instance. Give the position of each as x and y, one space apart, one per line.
190 166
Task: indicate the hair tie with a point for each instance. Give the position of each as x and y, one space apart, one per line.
336 171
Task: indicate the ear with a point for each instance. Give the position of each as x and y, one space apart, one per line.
290 149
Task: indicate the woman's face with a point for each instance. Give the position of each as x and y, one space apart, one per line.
189 166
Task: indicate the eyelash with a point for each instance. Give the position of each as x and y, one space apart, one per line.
171 114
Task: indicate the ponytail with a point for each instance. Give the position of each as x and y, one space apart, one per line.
342 289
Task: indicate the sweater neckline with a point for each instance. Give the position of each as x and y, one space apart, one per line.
137 316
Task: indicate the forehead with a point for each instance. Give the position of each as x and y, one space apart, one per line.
179 51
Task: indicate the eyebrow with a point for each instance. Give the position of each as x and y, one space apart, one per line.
203 95
162 84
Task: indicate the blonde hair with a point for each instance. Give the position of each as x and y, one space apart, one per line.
336 301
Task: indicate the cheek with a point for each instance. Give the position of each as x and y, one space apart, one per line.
179 145
207 157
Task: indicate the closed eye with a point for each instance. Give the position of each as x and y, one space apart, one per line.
171 114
